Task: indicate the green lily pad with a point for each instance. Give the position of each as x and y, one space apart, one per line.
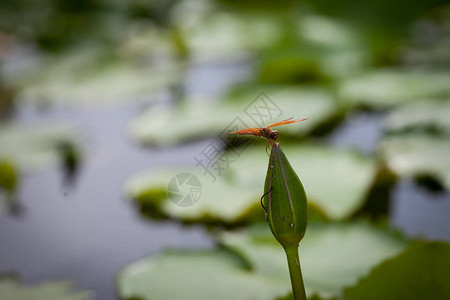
420 272
387 88
319 49
79 76
253 265
234 196
124 81
332 256
166 126
220 201
57 290
428 116
321 170
329 32
195 276
218 35
33 147
316 104
415 155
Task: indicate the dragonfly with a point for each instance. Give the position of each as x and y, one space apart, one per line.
265 132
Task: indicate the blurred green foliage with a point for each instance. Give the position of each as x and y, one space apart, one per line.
426 265
321 59
11 289
8 177
58 24
9 183
233 198
30 147
252 265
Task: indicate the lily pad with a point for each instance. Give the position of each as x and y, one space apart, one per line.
195 276
253 265
427 116
283 101
166 126
32 147
57 290
222 36
420 272
220 201
329 32
319 49
415 155
322 170
234 196
332 256
125 82
388 88
79 76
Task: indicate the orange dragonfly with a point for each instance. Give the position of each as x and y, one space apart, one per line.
265 132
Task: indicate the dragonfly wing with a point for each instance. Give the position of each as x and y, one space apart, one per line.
287 121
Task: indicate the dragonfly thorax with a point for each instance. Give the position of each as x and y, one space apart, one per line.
268 133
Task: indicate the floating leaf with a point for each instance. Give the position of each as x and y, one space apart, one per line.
420 272
415 155
387 88
220 202
79 76
319 49
201 275
292 67
214 35
321 170
31 147
428 116
166 126
329 32
58 290
234 196
124 82
332 255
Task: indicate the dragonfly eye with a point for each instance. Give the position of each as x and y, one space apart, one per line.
274 135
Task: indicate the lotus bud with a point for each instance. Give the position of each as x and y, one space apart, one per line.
285 200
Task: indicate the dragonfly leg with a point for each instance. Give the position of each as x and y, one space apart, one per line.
269 142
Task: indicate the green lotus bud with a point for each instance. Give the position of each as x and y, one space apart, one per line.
284 200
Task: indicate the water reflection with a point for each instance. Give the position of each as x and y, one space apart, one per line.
89 232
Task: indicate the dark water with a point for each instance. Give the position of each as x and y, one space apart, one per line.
91 231
88 233
415 210
421 213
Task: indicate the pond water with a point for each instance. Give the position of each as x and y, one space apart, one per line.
89 231
414 210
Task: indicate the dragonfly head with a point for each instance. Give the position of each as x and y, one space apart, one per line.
274 135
